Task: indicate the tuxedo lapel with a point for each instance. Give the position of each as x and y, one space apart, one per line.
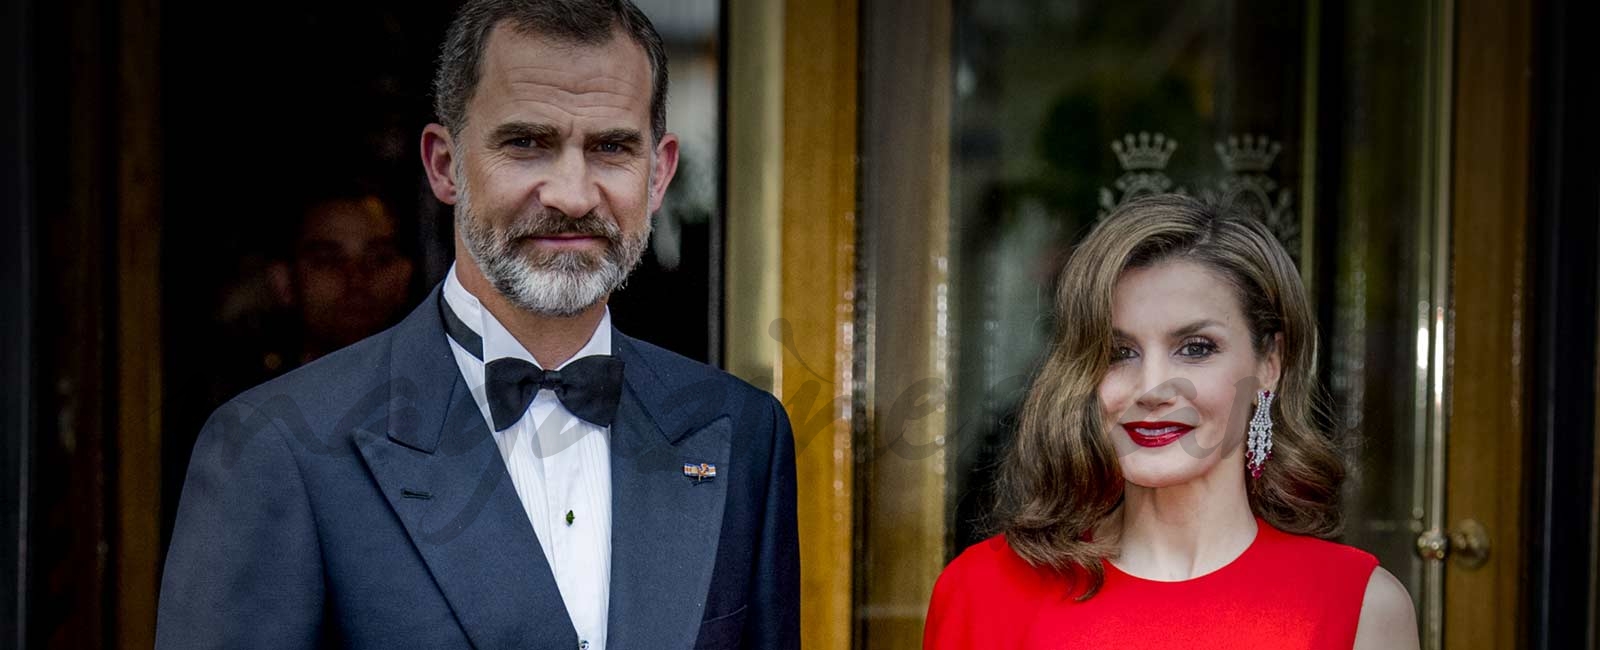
665 525
437 464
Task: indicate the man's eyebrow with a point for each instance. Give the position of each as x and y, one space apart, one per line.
315 245
515 130
627 137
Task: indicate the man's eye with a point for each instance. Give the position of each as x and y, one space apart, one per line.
382 258
610 148
323 259
520 143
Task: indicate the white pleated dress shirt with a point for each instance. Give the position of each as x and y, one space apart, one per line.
558 464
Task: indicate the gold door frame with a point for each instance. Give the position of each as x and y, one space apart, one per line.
1487 366
791 265
817 298
906 318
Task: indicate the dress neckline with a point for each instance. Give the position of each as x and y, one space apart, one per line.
1249 550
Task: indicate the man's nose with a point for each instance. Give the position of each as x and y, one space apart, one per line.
569 187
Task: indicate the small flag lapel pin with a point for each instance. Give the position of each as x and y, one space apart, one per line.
700 472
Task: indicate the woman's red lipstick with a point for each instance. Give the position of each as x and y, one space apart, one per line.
1156 434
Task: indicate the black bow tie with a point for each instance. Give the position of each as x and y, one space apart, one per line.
589 387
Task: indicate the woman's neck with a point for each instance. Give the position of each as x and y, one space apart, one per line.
1184 531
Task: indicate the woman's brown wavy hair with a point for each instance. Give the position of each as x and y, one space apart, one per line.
1060 478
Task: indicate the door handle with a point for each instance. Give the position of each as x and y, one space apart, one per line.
1466 543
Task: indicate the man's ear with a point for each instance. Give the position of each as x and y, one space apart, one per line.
282 285
664 167
438 159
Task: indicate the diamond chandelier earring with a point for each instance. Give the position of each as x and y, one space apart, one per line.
1259 445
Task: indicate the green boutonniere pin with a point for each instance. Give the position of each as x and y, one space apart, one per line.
570 517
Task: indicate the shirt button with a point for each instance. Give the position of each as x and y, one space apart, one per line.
583 645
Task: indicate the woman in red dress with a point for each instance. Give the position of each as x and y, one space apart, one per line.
1168 486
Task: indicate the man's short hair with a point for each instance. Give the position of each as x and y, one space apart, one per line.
295 212
580 22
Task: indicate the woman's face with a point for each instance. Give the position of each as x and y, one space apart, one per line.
1183 376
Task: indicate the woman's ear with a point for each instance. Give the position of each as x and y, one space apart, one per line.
1270 370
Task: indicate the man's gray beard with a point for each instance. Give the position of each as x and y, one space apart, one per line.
560 284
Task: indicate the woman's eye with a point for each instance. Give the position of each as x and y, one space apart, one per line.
1197 349
1122 353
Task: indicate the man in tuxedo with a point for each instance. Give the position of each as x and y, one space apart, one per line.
435 486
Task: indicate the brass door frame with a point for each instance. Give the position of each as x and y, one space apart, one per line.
817 247
905 317
791 196
136 531
94 515
1486 367
792 232
754 189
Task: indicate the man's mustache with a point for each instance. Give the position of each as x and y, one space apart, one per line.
551 223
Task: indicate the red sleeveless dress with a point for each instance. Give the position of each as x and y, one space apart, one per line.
1285 592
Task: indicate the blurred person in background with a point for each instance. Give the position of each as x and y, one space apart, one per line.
345 277
337 273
